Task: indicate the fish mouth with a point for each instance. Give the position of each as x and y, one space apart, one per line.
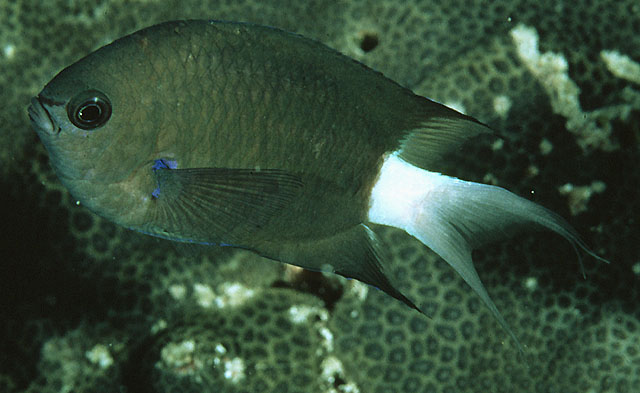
41 119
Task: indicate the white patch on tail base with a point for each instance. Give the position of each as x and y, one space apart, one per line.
398 197
452 217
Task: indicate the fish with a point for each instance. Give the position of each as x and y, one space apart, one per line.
240 135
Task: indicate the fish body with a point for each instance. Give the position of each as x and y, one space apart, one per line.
248 136
226 95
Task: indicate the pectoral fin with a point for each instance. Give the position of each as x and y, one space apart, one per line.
218 205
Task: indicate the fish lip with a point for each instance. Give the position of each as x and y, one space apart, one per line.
40 117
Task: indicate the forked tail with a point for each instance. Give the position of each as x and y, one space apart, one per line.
452 217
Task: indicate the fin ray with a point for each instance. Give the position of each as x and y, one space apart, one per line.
218 205
356 253
437 131
452 217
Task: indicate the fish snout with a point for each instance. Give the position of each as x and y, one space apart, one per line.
40 118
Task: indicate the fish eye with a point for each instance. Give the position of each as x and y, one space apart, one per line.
89 109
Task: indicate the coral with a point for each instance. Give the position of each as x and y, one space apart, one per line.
551 70
621 65
462 349
81 360
88 306
579 196
259 346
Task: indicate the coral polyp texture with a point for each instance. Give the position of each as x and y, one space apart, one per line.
90 307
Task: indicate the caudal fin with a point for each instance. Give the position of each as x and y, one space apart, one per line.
452 217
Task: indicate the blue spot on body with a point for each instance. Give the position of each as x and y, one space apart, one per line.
162 163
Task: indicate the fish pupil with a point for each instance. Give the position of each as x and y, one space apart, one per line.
90 113
90 109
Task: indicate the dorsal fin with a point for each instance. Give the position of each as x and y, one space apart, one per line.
439 130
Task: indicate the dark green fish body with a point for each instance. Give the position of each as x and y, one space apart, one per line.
252 97
248 136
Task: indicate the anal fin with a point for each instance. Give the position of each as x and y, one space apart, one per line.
354 253
373 267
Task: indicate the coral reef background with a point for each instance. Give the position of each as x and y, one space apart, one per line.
90 307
